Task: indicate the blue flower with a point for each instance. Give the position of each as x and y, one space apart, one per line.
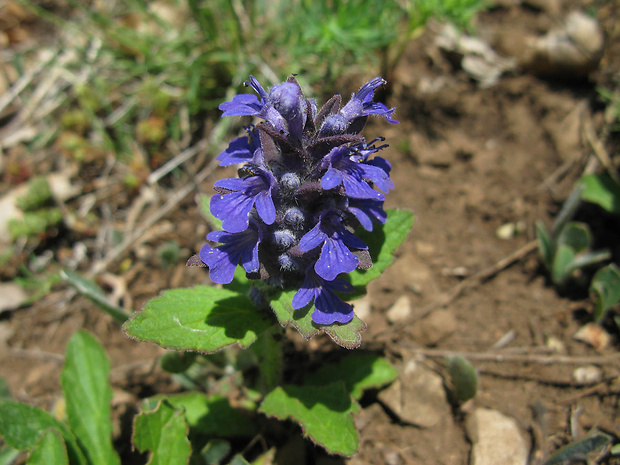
234 207
308 177
243 150
236 247
366 211
360 105
347 166
328 308
333 238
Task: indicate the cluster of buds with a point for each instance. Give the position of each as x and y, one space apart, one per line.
307 181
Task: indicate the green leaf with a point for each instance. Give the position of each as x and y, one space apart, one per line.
204 319
163 432
382 242
22 425
347 335
238 460
560 270
324 413
91 291
210 415
50 450
358 371
268 351
215 451
576 236
602 190
204 205
545 244
8 455
577 450
177 362
463 379
605 290
88 394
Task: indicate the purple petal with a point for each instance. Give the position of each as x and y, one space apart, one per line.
303 296
221 265
335 258
329 309
239 151
241 105
359 189
332 178
233 184
233 209
312 239
265 207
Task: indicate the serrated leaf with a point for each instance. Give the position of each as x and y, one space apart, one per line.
463 379
605 289
359 372
204 205
602 190
91 291
164 433
87 395
204 319
209 415
577 450
22 425
323 412
382 242
50 450
545 244
347 335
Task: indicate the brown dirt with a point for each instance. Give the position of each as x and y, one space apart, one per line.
466 161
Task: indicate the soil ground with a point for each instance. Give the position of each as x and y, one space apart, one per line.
466 161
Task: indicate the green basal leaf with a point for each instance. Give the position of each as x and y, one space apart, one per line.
560 270
324 413
346 335
203 319
209 415
577 450
605 290
382 242
463 379
88 395
8 455
238 460
268 351
576 236
545 244
50 450
358 371
177 362
215 451
22 425
91 291
204 205
602 190
163 432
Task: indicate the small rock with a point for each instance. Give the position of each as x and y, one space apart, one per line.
418 396
496 439
593 335
589 374
400 311
362 307
11 296
435 327
556 345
